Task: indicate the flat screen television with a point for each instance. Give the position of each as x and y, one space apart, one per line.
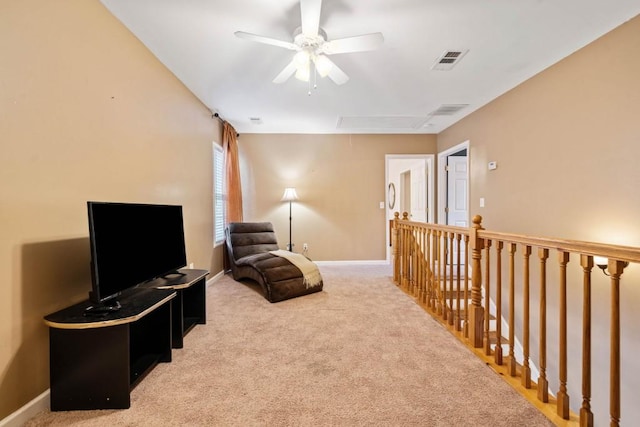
131 244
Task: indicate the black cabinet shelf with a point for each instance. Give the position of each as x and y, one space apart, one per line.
95 361
141 367
189 306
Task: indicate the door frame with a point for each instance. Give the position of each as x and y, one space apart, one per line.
442 179
430 164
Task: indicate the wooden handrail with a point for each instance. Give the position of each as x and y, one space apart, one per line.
617 252
428 260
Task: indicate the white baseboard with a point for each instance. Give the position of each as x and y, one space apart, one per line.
28 411
214 279
355 262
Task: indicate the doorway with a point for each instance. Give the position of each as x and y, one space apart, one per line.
410 188
453 189
453 186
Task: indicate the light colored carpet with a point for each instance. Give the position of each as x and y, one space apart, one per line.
360 353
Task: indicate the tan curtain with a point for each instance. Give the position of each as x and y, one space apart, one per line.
232 174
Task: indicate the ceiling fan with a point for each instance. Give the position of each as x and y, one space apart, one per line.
312 47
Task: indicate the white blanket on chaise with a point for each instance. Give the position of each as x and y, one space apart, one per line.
310 272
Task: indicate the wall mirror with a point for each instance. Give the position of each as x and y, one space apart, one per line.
391 195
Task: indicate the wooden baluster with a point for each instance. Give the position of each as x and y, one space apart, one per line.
429 270
400 252
395 244
441 250
586 416
407 256
512 309
403 256
458 300
425 267
562 405
616 268
418 263
466 286
543 383
476 312
434 269
406 253
487 296
421 269
451 297
408 264
445 254
526 370
414 261
497 352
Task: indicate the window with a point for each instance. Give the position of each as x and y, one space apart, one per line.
219 195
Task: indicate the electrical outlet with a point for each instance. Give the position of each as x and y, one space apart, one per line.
305 247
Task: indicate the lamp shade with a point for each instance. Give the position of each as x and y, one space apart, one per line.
289 194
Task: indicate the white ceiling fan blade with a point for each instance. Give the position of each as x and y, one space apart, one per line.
310 11
353 44
338 76
286 73
265 40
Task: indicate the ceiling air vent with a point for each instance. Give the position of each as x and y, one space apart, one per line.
255 120
447 110
449 59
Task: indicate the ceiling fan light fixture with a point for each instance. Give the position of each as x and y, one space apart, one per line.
303 73
323 65
313 48
301 59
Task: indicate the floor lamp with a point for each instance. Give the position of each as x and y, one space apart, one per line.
289 196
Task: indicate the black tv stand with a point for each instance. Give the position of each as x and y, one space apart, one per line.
173 273
103 308
95 361
189 305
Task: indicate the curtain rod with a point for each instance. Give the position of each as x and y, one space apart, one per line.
217 116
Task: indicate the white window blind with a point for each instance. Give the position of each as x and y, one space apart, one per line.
219 195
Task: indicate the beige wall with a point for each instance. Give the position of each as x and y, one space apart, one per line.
86 113
340 180
567 143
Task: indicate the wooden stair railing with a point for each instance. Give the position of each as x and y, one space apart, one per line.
432 263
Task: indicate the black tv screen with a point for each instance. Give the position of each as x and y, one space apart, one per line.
133 243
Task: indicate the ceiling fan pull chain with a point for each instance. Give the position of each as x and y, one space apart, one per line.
315 77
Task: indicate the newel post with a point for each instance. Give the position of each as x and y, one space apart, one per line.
476 312
395 246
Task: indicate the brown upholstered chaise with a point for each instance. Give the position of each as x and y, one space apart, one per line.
248 245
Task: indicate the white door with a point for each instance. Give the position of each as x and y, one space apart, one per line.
405 193
457 187
419 193
457 209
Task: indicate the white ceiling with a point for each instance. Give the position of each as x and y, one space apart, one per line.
392 89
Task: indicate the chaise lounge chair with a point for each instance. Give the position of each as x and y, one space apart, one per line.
254 254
